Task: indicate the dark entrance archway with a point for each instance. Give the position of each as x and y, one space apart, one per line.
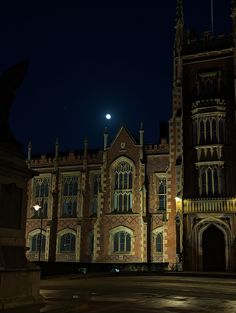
213 249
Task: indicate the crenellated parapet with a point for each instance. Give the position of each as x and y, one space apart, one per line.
162 148
207 42
68 158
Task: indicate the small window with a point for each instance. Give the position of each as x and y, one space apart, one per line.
122 242
159 243
38 242
162 194
67 243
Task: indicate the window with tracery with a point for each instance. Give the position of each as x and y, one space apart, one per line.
209 130
41 193
96 188
38 242
69 196
159 243
122 242
211 183
67 243
122 193
208 84
162 196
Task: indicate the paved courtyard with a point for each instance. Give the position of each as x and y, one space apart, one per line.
140 294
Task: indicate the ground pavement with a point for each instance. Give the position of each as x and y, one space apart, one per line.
140 294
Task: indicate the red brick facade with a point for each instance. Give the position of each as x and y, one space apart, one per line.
174 202
143 221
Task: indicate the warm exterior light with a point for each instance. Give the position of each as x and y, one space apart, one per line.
177 198
36 207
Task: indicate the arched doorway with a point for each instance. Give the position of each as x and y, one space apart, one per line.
213 249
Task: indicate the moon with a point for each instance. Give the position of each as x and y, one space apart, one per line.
108 116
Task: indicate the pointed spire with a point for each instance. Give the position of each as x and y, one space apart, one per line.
57 148
85 147
179 27
141 131
179 13
29 153
233 16
105 138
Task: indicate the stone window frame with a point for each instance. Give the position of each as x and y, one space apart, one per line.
210 78
203 173
161 176
116 230
94 197
71 198
59 236
112 183
209 129
30 236
46 200
155 233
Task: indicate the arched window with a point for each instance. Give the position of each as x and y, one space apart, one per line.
67 243
214 131
203 182
216 187
162 194
221 131
122 196
122 242
96 188
36 244
159 243
202 132
209 181
41 191
194 132
208 131
69 197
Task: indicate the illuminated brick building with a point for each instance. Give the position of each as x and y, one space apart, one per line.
95 205
133 203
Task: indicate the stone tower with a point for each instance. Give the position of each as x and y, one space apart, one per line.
203 147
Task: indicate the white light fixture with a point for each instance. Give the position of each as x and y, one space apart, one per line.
36 207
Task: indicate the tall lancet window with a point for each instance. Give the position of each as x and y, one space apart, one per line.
216 184
202 133
69 196
214 131
122 194
203 183
162 194
41 196
208 132
209 181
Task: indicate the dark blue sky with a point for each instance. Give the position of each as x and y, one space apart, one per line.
85 61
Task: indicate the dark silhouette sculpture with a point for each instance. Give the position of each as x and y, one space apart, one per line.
10 81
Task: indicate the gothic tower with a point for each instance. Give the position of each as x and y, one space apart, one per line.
203 147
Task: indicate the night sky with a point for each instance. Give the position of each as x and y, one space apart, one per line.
87 60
